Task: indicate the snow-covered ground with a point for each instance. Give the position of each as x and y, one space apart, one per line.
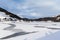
27 30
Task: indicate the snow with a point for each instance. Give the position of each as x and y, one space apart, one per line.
36 29
4 33
3 15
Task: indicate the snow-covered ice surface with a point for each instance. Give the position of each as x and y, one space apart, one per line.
27 30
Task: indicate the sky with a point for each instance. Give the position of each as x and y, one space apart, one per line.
32 8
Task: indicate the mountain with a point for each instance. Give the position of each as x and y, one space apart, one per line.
13 16
54 19
9 13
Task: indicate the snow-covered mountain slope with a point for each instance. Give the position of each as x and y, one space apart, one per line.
3 15
9 13
27 30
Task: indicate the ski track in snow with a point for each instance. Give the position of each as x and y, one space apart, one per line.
10 27
17 31
47 27
38 31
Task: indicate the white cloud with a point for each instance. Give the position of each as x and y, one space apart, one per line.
35 3
38 3
33 14
48 3
56 7
36 15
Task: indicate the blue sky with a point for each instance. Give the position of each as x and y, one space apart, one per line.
32 8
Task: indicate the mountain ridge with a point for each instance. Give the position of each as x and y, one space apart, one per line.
54 19
9 13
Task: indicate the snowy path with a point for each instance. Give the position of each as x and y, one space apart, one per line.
18 32
10 27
